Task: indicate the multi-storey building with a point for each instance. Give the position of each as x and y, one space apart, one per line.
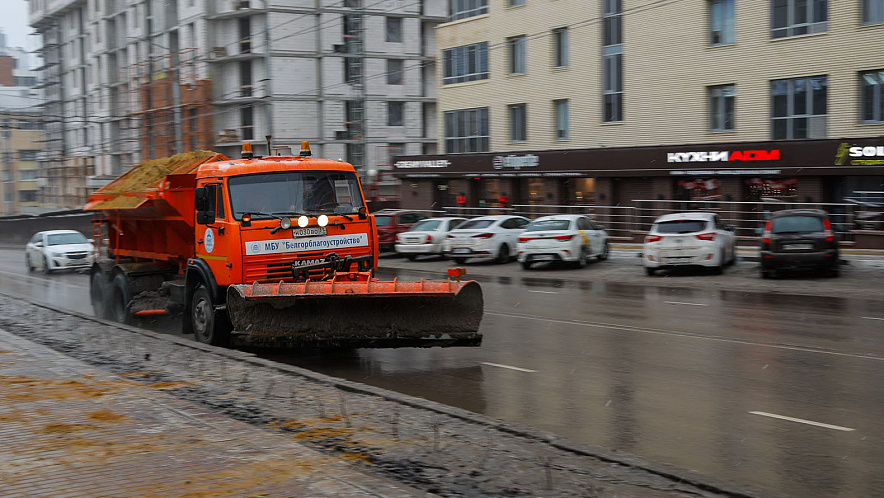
609 101
21 140
133 79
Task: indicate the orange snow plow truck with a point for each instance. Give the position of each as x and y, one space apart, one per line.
265 251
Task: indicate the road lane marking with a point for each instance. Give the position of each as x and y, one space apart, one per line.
28 278
543 292
690 335
872 318
803 421
686 304
509 367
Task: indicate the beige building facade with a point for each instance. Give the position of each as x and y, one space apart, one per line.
603 102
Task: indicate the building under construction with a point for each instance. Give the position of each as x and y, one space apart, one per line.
127 80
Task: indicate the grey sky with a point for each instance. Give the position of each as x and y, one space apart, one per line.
14 22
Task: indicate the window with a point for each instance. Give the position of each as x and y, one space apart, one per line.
27 155
394 71
873 11
516 46
721 107
248 123
872 96
245 78
394 29
516 3
560 47
28 196
466 130
29 124
466 63
798 108
798 17
245 35
561 119
395 111
612 60
518 123
25 175
721 22
461 9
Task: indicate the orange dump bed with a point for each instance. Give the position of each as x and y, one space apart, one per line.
149 211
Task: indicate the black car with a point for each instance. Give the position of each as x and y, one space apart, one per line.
796 239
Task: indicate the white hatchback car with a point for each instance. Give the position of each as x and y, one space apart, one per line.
58 250
563 237
689 239
485 237
426 237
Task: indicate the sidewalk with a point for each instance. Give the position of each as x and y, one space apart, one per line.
70 429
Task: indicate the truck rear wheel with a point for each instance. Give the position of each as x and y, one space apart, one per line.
119 298
208 327
97 295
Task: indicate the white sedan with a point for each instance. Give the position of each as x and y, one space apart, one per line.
689 239
425 237
563 237
485 237
58 250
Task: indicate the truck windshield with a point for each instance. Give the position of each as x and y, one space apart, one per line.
295 192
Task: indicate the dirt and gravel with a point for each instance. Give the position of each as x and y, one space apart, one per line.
429 446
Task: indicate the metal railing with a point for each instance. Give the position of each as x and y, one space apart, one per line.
747 218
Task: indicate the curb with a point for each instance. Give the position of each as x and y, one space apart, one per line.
707 483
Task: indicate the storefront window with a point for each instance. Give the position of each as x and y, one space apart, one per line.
699 190
536 190
780 189
582 191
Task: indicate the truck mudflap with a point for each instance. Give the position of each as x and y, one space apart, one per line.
354 310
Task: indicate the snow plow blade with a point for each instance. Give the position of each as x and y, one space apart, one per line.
354 310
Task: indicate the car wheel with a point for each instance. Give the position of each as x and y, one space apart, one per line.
208 327
503 255
411 257
605 250
46 269
718 270
459 261
526 265
650 271
833 272
733 259
28 262
119 298
767 274
581 259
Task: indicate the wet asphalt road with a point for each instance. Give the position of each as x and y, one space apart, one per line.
695 378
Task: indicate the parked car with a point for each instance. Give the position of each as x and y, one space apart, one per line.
485 237
796 239
689 239
426 237
564 237
391 222
58 250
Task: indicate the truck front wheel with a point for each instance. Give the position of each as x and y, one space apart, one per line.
97 295
119 301
208 327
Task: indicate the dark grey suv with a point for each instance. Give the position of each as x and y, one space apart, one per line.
799 239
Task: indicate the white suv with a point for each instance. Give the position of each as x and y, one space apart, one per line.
689 239
562 237
485 237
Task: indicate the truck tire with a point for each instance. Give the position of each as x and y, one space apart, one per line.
97 295
119 298
208 327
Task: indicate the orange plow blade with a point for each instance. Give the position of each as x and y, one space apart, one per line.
355 310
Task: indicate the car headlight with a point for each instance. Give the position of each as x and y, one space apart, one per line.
55 254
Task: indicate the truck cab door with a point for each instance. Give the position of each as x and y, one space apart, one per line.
214 240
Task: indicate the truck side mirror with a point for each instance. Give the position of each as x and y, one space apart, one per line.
201 199
205 217
362 213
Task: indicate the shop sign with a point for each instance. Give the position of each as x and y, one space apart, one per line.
712 172
515 162
439 163
860 156
723 156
